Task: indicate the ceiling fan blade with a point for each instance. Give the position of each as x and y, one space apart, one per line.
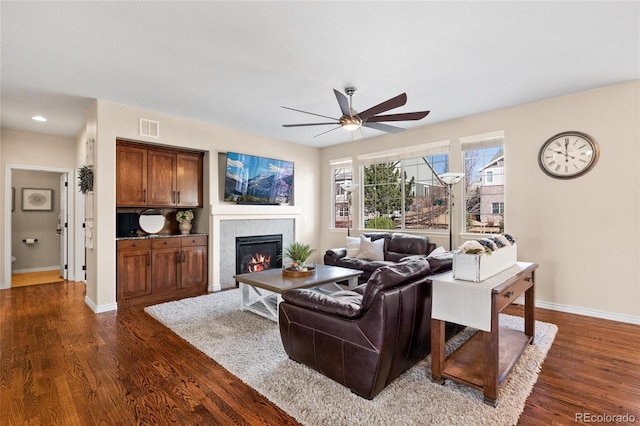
307 112
398 117
384 127
392 103
343 101
331 130
308 124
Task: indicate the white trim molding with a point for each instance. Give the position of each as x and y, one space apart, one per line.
583 311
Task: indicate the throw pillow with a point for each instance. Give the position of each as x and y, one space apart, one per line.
371 250
438 251
353 246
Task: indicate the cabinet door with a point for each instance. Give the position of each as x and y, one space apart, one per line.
161 184
131 176
194 267
165 276
133 272
189 180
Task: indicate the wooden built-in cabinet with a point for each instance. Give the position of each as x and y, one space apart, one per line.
134 269
161 268
157 177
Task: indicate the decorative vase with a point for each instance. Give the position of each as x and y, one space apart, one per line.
185 227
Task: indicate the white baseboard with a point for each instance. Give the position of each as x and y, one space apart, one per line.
39 269
583 311
100 309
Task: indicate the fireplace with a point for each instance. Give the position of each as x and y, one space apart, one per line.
258 252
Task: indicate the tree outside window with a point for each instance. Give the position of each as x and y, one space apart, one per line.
405 194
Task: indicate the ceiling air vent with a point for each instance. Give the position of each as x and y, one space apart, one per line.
149 128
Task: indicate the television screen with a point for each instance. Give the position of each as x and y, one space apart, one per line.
258 180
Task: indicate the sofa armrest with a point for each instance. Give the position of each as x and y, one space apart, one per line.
332 255
344 303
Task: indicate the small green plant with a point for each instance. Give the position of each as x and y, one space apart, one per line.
380 222
298 253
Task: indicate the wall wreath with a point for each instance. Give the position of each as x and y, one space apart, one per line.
85 179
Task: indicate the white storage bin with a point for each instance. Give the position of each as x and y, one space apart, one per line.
479 267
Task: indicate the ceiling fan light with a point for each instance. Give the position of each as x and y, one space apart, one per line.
350 123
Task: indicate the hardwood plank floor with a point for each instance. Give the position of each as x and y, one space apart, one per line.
61 364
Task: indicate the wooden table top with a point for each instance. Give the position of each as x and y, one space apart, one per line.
274 281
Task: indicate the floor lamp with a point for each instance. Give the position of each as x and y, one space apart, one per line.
349 187
450 179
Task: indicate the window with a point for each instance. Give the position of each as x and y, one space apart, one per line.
341 198
406 194
484 185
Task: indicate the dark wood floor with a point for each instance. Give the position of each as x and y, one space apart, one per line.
61 364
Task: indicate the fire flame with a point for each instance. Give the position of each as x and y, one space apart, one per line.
259 262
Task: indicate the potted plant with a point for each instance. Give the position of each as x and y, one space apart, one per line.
184 218
298 253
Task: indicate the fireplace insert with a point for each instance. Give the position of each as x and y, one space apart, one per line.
258 252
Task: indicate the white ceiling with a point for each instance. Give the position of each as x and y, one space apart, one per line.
235 63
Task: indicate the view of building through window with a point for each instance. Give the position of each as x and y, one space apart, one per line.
341 197
407 194
484 189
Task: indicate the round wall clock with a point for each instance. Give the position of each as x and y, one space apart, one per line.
568 155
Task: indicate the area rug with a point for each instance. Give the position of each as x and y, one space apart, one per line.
249 347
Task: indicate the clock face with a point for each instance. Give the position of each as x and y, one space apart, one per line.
568 155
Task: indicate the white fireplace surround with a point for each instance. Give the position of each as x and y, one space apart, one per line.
225 230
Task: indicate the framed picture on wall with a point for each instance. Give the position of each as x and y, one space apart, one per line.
37 199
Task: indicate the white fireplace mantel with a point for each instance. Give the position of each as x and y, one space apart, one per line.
253 220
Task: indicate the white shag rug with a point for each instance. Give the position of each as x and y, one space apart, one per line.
249 347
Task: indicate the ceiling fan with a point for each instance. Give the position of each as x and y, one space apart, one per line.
353 120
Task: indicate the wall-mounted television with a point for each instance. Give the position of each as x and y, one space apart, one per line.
258 180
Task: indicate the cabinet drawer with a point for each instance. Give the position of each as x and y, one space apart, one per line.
194 241
134 245
159 243
511 293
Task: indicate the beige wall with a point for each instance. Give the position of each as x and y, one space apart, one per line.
584 233
108 121
28 150
40 225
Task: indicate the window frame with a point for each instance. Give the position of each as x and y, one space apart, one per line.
484 141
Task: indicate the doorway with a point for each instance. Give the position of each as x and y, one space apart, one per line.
40 234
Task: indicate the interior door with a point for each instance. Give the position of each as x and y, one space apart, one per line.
62 228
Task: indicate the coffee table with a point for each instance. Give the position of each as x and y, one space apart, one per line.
262 291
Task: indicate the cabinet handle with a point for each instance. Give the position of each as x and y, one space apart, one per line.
528 279
144 195
178 197
183 256
508 294
173 197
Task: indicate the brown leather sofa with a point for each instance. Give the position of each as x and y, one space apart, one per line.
366 338
397 246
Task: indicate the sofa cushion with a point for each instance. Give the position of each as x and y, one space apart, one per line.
392 276
361 264
371 250
408 244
